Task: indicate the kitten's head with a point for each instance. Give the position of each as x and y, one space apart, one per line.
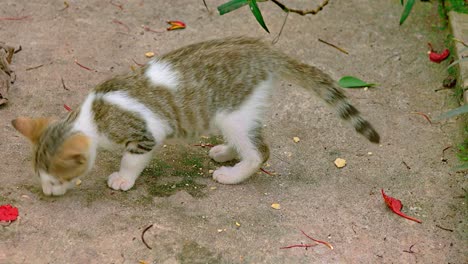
60 155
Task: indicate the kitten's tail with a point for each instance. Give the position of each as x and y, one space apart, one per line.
326 88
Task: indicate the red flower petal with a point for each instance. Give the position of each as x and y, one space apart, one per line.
437 57
395 205
8 213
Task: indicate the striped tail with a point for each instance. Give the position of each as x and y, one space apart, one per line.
326 88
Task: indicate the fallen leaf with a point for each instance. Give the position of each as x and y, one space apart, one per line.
296 139
395 205
276 206
437 57
353 82
340 163
149 54
175 25
8 213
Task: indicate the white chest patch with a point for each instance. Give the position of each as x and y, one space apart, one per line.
161 73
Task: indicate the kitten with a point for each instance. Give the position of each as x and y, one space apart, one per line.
220 84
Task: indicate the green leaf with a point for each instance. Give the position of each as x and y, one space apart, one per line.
454 112
353 82
456 62
406 11
258 15
231 5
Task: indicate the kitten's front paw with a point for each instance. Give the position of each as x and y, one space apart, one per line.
227 175
222 153
117 182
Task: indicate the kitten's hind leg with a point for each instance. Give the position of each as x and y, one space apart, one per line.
252 151
222 153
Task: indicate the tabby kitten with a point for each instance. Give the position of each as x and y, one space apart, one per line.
221 85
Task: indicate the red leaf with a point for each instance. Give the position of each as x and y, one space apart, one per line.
8 213
437 57
395 205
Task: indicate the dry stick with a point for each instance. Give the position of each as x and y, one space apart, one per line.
443 228
18 50
424 115
121 23
63 84
267 172
410 249
300 245
334 46
14 18
460 41
281 30
301 12
139 64
318 241
143 236
120 6
84 67
35 67
206 6
404 163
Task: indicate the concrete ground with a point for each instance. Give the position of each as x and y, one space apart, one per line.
194 219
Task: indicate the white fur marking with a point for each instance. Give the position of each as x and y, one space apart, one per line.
51 186
236 127
161 73
85 124
158 128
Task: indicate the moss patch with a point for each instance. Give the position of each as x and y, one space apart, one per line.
193 253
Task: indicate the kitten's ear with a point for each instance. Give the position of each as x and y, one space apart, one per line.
32 128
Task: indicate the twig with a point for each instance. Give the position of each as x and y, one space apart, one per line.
424 115
267 172
318 241
115 21
35 67
143 236
139 64
146 28
404 163
300 245
18 50
443 228
443 88
309 245
206 6
410 249
63 84
13 18
334 46
460 41
301 12
84 67
120 6
275 40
